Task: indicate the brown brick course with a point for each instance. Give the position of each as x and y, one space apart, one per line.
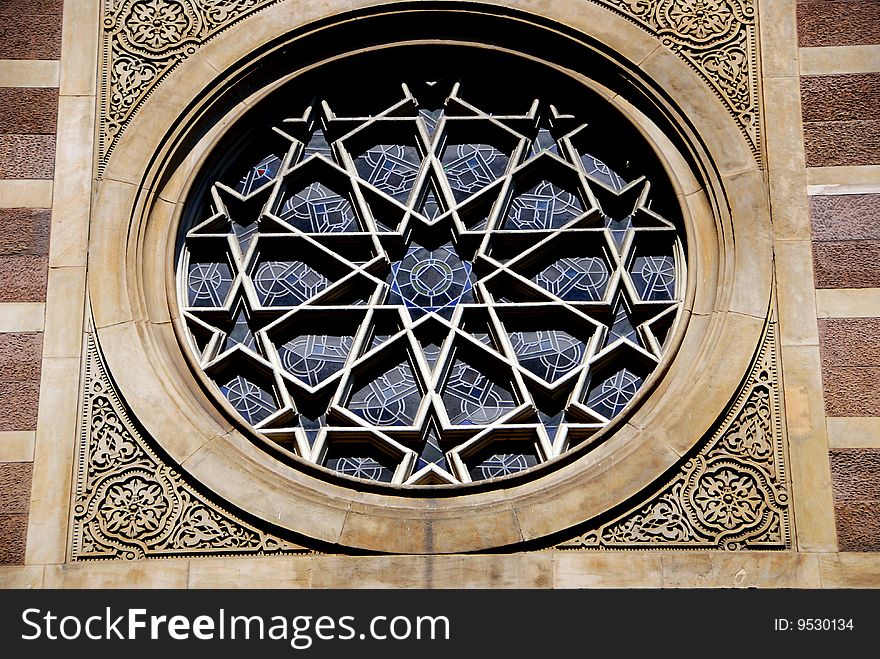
25 110
13 537
849 342
27 156
842 143
838 22
20 360
23 278
844 97
845 217
851 391
24 231
847 264
855 479
15 487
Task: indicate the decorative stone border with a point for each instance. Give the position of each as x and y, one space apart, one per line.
131 284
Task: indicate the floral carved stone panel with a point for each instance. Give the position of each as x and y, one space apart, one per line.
143 41
731 495
129 504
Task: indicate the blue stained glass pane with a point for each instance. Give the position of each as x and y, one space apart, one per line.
545 206
208 284
430 280
392 399
543 142
312 427
611 395
471 167
432 353
502 464
392 168
260 174
318 145
431 118
598 170
241 333
251 401
430 208
472 398
580 278
314 358
360 466
549 354
287 283
431 453
654 277
621 328
317 209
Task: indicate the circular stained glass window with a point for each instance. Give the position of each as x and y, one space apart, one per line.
423 266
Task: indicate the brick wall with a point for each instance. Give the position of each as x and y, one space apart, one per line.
841 114
30 46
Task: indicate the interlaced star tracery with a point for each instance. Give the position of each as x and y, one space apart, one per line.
398 301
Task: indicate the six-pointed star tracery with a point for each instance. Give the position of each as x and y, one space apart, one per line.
430 295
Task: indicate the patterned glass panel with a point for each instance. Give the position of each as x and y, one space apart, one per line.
582 278
263 172
317 209
544 206
429 281
360 466
392 399
315 357
549 354
287 283
249 399
208 284
610 396
471 167
598 170
472 398
392 168
654 277
503 464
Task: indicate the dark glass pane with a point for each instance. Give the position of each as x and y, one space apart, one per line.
654 277
314 358
549 354
471 167
392 168
392 399
611 395
287 283
545 206
430 280
471 398
208 284
317 209
580 278
250 400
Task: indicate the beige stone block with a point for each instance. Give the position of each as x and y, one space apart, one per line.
796 293
73 181
747 197
17 445
57 430
79 48
246 572
166 573
848 302
108 243
65 310
576 569
22 316
396 525
455 571
809 468
25 576
29 73
830 60
784 140
157 249
25 193
714 123
850 570
703 258
858 179
739 570
853 432
778 39
270 490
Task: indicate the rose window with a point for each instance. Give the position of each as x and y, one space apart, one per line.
432 292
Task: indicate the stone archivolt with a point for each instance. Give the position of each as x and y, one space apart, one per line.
144 40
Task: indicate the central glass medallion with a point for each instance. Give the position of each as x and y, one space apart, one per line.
429 294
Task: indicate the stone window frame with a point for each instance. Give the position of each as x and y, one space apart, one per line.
131 284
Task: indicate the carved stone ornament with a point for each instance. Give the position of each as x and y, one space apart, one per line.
144 40
731 495
129 504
